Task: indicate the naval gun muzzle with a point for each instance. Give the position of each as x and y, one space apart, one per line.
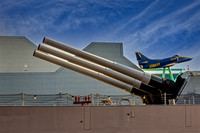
143 84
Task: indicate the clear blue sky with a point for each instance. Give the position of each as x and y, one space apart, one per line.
157 28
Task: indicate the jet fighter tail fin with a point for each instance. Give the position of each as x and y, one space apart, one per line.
140 57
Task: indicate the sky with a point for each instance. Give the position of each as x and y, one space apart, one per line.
156 28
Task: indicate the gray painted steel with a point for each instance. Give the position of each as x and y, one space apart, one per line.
111 51
109 72
140 75
61 80
100 119
192 87
83 70
15 52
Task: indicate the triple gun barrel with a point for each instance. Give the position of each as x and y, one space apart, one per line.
149 87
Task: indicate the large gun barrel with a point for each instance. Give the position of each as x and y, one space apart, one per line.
164 85
109 72
142 76
145 96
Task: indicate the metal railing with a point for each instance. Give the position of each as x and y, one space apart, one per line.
67 99
189 99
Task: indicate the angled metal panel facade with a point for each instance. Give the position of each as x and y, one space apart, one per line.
38 80
15 52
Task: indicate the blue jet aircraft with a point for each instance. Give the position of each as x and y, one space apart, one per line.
146 63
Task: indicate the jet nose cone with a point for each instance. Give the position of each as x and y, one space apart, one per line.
187 58
183 59
190 59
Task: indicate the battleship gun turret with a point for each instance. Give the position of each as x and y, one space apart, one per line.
149 87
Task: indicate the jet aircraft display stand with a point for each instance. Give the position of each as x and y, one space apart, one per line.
170 73
173 73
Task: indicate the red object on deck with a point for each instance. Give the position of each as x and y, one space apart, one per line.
87 100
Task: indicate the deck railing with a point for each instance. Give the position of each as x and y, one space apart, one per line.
67 99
